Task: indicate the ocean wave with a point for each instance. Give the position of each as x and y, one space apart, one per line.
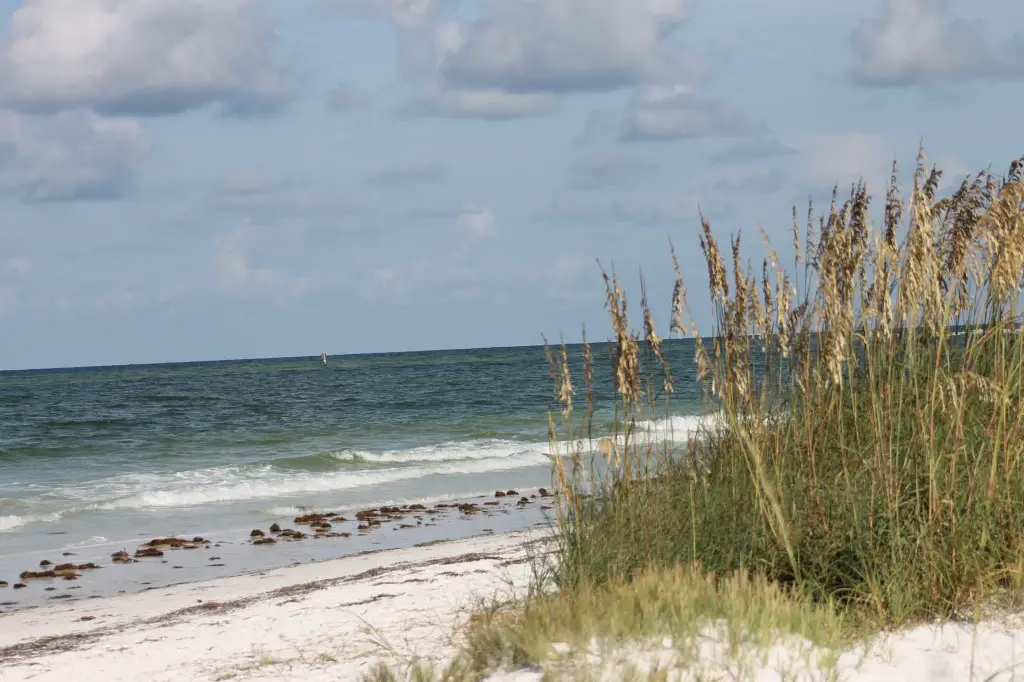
354 459
675 429
277 482
12 521
238 485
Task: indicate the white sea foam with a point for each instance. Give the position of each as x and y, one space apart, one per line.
676 429
444 452
10 522
236 485
267 481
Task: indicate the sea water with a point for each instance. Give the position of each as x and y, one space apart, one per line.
93 460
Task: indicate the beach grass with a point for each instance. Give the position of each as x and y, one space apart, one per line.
863 470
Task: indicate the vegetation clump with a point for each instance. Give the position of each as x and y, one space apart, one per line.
867 449
862 464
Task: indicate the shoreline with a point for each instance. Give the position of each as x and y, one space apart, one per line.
303 622
107 570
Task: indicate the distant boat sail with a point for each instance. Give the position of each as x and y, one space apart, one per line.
323 358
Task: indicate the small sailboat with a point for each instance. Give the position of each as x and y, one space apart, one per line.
323 358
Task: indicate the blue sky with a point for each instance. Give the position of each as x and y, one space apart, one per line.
189 179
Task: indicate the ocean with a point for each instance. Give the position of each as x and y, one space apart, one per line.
94 460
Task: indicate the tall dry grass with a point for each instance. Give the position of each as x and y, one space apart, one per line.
869 436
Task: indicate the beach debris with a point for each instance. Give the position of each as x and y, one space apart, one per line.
264 541
19 586
148 552
309 519
122 557
3 583
44 563
174 543
66 571
87 618
68 554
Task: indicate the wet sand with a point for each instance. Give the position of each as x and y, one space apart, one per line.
154 563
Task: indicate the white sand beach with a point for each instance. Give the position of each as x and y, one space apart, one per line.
333 620
322 621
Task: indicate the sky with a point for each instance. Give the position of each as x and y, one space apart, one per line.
214 179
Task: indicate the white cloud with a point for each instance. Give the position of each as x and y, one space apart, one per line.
70 156
410 175
477 223
235 275
918 42
753 149
20 266
491 103
344 98
599 170
140 57
281 204
667 113
847 158
569 269
563 45
515 59
634 211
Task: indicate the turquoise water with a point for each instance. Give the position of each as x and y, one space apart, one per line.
105 456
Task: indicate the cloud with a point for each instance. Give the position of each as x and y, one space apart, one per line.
19 266
559 46
492 104
601 170
410 175
752 150
281 203
919 42
766 182
476 222
674 113
235 275
70 156
630 211
247 183
517 59
344 98
847 158
133 57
